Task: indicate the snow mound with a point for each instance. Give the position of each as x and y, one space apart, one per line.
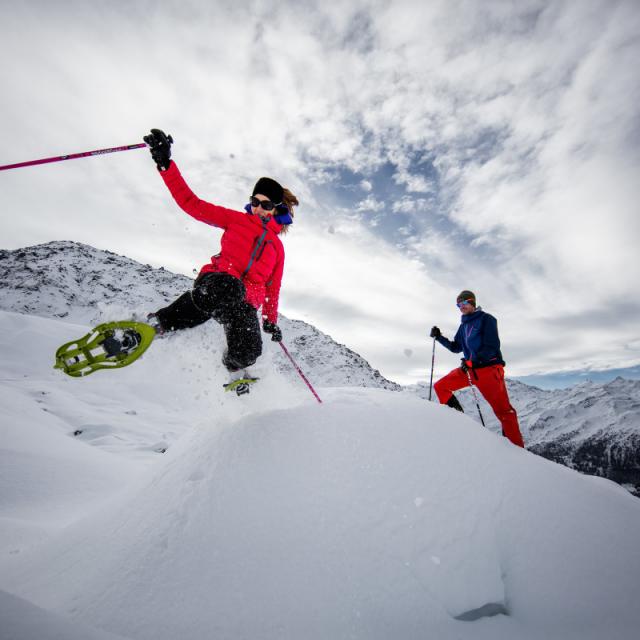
370 516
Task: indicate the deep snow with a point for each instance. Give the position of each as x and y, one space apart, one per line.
373 515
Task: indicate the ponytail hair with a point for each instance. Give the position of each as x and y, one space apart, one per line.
290 201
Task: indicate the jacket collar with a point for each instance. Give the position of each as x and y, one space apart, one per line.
271 224
472 316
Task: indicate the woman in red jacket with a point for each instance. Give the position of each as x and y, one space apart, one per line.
244 276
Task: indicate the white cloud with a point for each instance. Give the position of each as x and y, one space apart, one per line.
409 204
527 112
370 205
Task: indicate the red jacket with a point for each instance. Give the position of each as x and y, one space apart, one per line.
250 248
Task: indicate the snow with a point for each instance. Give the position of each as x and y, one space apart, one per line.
373 515
22 620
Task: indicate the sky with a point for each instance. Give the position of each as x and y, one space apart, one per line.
434 147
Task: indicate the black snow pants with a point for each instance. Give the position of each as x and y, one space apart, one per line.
222 297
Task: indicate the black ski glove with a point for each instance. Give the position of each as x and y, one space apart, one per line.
435 332
466 365
160 148
273 329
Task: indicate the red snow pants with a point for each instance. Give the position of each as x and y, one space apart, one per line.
490 382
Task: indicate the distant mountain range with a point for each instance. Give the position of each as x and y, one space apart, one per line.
593 428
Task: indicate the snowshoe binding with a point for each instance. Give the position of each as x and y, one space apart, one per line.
109 346
241 386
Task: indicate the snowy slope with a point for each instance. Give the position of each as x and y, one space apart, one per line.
22 620
373 515
592 428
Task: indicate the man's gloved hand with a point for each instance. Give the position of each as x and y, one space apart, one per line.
466 365
435 332
160 148
273 329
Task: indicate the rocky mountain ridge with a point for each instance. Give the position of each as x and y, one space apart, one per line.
81 284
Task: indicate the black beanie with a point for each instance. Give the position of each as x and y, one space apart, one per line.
270 188
467 295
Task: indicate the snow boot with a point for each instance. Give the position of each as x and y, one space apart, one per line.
121 345
153 321
454 403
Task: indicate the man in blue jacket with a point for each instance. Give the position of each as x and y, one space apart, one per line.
478 339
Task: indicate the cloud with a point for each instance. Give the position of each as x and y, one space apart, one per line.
370 204
434 147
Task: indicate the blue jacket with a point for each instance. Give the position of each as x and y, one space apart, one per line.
477 337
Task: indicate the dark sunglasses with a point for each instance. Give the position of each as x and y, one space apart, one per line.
266 205
463 302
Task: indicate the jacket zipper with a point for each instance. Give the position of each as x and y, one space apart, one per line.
253 258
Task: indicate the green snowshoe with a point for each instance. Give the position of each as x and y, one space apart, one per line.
241 386
109 346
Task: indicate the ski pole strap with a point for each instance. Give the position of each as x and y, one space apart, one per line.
297 368
73 156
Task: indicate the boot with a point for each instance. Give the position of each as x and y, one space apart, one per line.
232 365
153 320
454 404
122 343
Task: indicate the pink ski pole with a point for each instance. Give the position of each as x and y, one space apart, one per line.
73 156
297 368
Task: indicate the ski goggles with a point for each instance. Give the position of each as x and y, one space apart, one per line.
462 303
266 205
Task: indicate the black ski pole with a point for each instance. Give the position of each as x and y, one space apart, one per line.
433 358
475 395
